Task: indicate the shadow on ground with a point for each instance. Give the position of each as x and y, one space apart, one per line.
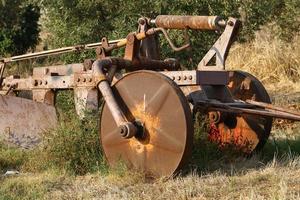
208 158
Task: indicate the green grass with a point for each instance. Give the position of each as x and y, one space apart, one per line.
11 158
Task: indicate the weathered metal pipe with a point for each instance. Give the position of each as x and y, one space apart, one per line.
190 22
127 129
222 107
272 107
56 51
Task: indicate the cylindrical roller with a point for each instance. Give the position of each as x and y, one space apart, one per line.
191 22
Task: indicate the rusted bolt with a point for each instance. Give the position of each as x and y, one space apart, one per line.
184 78
141 21
123 130
179 78
41 82
78 80
90 79
190 77
173 78
230 23
46 82
215 117
84 80
35 83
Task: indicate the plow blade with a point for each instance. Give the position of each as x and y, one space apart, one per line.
23 121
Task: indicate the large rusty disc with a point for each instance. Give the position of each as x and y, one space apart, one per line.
246 132
154 101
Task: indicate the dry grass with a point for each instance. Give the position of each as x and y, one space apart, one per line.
275 62
279 179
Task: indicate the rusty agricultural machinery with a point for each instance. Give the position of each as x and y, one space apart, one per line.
147 117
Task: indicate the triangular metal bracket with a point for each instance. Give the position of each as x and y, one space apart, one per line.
220 49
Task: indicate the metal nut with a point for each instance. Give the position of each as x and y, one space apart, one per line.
35 83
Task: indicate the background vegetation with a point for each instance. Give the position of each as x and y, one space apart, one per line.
77 22
70 164
19 29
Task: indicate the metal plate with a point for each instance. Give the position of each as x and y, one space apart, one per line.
23 121
246 132
157 103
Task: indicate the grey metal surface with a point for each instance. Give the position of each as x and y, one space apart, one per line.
23 122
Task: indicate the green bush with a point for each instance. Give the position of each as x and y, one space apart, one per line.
288 19
77 22
19 28
80 21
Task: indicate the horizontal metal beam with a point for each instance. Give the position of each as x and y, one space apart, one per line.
198 77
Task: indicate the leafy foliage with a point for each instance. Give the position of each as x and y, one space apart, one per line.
19 28
288 19
80 21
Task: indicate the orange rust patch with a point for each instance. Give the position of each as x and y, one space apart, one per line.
242 136
230 85
151 124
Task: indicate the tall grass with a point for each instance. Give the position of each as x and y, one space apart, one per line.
275 62
74 146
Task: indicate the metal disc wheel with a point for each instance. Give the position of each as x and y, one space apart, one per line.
246 132
158 105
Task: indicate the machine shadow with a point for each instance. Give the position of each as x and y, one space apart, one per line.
207 158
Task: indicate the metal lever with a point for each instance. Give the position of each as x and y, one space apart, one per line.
172 44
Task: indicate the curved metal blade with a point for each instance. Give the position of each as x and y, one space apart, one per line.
23 121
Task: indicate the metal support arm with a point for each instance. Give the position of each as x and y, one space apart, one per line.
127 129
